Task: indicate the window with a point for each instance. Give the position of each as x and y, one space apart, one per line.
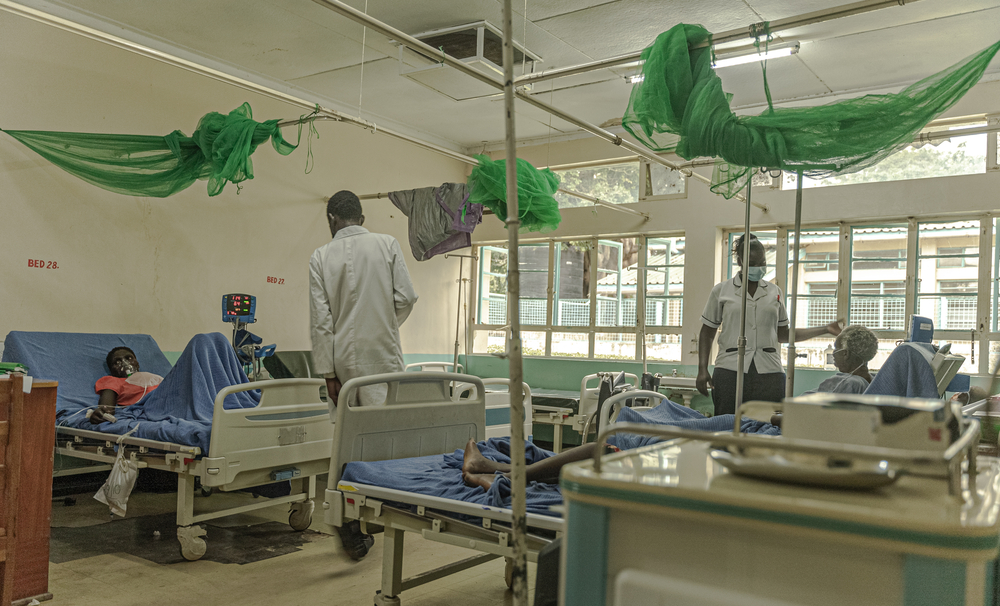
596 288
947 274
878 276
617 184
959 155
664 281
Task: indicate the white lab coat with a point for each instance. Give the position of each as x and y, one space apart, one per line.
360 293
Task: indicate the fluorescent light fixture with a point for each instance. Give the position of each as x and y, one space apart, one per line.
739 56
751 54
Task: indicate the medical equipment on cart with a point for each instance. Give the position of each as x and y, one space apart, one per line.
777 543
240 310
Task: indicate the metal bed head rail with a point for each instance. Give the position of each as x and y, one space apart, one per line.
967 443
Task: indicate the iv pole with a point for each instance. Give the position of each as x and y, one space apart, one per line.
458 309
794 300
741 344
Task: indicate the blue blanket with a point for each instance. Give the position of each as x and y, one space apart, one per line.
441 475
906 372
179 410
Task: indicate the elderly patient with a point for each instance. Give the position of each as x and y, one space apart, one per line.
853 349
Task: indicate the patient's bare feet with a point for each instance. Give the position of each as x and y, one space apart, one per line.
475 463
483 480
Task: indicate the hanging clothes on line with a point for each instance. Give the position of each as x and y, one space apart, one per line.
441 218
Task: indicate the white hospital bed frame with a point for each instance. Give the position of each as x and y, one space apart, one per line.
419 418
289 433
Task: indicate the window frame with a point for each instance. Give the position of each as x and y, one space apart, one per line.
987 326
640 330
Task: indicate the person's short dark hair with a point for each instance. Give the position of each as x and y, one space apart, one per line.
738 245
345 205
108 358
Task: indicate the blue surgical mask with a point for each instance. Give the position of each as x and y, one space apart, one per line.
755 274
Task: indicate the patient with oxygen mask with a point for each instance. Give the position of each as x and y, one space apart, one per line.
125 386
854 347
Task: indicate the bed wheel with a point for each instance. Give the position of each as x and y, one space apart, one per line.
192 545
384 600
300 515
508 572
206 491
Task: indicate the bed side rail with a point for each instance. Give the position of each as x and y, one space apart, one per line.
289 432
419 418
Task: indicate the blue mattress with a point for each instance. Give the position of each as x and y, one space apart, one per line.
441 475
178 411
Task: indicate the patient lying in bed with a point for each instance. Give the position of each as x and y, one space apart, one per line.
479 470
125 386
181 406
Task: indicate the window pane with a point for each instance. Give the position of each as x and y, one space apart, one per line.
809 354
533 262
664 281
617 184
770 241
878 274
532 343
617 268
571 300
948 273
571 344
956 156
489 341
663 348
819 251
662 181
615 346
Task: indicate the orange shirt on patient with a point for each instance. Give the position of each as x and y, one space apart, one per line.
129 389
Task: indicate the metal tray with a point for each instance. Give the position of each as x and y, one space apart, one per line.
791 468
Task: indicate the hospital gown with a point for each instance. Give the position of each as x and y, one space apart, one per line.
360 293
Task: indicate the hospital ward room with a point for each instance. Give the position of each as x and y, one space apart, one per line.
500 302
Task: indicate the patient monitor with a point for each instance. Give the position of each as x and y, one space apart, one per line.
240 309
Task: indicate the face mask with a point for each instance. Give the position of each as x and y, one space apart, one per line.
755 274
126 368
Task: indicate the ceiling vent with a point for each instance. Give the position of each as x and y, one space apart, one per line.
479 45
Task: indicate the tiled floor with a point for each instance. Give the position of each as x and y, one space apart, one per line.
318 574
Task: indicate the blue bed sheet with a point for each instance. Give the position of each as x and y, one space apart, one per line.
441 475
179 410
906 372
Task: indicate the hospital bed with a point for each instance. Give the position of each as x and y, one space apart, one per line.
583 419
420 418
286 437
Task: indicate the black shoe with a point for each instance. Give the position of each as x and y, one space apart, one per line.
356 543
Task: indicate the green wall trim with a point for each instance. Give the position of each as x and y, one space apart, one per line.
984 543
933 581
586 548
497 416
172 356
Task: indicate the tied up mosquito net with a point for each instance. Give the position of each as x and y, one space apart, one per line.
681 96
143 165
536 205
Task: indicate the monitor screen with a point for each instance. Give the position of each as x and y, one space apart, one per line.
238 307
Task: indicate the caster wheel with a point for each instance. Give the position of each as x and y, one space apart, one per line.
300 515
192 545
206 491
384 600
508 573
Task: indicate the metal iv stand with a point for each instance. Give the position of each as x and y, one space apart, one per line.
741 344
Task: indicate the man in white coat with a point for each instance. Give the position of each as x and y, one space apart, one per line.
360 292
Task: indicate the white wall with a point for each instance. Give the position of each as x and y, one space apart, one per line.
160 266
702 215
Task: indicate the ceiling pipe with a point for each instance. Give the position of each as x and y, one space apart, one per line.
418 45
732 35
322 113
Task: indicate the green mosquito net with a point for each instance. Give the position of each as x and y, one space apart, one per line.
536 205
142 165
681 95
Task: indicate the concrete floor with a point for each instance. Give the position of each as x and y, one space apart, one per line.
319 573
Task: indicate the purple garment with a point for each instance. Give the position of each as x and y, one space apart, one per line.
441 218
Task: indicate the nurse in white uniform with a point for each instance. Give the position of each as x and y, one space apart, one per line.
766 329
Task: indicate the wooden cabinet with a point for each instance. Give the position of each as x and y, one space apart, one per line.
31 537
